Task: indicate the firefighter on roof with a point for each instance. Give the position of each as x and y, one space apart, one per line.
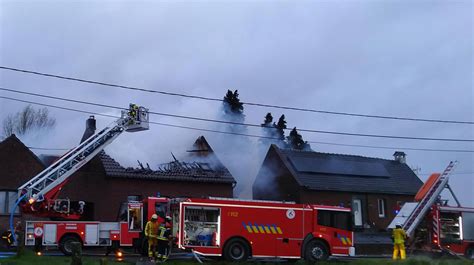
398 237
164 239
151 233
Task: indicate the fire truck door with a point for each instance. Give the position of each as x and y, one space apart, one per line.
337 226
342 235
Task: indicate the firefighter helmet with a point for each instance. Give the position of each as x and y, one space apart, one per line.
154 217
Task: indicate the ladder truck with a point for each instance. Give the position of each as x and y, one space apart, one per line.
39 196
432 224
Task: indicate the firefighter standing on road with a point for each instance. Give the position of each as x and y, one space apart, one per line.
398 237
151 233
164 239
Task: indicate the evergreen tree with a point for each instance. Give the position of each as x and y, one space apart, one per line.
280 127
232 103
268 120
233 110
295 141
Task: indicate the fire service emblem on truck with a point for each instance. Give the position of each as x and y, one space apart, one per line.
290 214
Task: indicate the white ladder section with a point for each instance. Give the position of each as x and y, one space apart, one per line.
61 170
417 211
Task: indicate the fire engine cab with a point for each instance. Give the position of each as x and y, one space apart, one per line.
237 229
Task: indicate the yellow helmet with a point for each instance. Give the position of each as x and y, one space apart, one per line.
154 217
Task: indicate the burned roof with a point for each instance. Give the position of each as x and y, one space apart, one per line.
338 172
175 170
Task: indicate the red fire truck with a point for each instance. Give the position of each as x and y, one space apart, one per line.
237 229
434 226
39 197
450 228
114 235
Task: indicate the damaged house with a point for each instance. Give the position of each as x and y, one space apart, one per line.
105 185
374 188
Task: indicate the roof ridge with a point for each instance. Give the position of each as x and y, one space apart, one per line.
284 150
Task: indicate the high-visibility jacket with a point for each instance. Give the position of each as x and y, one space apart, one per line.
151 229
399 236
164 233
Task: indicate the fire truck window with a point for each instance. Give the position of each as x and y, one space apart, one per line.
468 226
342 220
160 210
324 218
134 219
336 219
201 226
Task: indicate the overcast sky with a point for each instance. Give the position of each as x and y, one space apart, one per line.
396 58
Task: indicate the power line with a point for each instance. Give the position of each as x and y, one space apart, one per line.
246 124
242 134
220 100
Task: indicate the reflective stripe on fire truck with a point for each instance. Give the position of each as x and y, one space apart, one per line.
345 240
262 229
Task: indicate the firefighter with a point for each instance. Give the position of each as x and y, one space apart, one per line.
133 111
151 233
399 236
164 239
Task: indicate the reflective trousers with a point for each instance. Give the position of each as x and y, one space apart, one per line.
152 246
399 248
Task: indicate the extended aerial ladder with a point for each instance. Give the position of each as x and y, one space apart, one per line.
412 213
39 195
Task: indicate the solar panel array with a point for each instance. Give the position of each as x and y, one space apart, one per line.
338 166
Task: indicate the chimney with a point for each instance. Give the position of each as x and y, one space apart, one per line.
90 128
400 157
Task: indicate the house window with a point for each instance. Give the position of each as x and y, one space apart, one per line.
381 204
7 202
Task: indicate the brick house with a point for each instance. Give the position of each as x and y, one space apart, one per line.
374 188
17 166
105 185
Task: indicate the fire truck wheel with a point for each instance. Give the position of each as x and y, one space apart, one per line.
470 252
65 244
316 250
236 250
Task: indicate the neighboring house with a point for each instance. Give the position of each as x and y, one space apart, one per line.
374 188
105 185
17 165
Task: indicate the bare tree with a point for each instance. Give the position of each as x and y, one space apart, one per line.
26 120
